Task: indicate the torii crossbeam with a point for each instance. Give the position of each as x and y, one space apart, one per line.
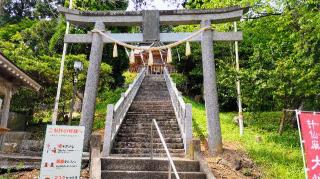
151 21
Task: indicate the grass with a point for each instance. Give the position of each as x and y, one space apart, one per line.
110 97
277 156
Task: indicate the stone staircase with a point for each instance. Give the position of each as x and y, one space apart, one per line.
144 168
130 153
151 102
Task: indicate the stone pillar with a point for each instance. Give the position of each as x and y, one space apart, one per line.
188 127
90 92
6 107
108 131
210 91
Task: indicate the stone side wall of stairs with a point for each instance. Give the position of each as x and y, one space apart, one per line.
151 102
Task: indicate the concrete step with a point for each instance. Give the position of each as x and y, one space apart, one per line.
155 90
147 115
161 121
146 135
144 151
144 139
147 145
149 118
155 87
147 122
147 127
151 103
147 164
153 95
147 102
151 109
150 99
19 161
152 113
149 175
156 155
171 119
144 115
147 131
164 129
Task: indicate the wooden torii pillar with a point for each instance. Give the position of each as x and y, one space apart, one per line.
204 17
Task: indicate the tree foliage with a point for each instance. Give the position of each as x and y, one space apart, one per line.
279 56
34 42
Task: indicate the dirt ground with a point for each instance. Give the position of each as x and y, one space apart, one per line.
234 163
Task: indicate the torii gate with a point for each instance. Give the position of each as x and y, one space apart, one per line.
151 21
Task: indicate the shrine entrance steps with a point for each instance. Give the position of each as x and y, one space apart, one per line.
134 137
145 168
130 154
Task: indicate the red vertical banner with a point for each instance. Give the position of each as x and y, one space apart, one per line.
310 136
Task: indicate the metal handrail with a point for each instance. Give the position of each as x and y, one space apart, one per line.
171 164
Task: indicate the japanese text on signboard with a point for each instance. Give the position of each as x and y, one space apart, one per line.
62 152
310 131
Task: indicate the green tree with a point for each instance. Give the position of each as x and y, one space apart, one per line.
279 56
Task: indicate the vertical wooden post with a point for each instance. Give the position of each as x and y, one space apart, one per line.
282 121
73 99
90 93
108 132
6 108
210 91
56 101
238 84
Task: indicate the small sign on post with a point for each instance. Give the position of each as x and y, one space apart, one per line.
62 152
309 130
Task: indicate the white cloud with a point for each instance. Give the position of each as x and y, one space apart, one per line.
158 5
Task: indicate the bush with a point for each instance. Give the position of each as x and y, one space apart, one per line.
180 80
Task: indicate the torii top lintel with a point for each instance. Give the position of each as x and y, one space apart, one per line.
173 17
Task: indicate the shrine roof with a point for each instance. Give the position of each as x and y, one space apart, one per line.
12 73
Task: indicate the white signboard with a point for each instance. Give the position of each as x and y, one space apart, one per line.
62 152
